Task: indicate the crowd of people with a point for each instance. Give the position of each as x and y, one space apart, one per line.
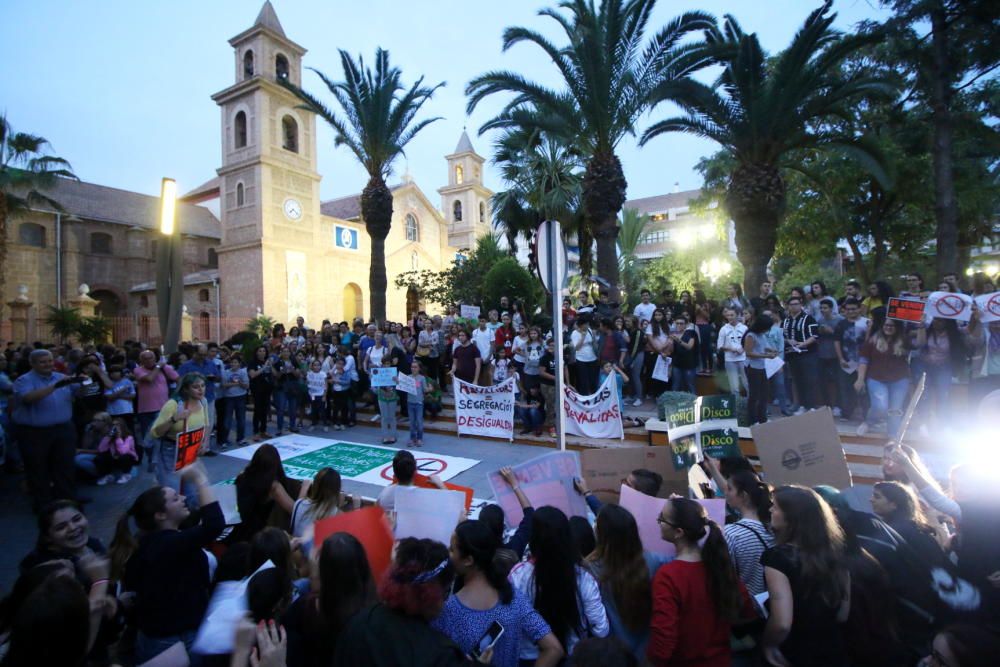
795 577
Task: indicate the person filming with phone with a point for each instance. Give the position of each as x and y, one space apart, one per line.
43 424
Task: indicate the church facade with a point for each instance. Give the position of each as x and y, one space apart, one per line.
275 247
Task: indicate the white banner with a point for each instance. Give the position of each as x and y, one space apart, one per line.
594 416
661 371
487 411
989 307
949 306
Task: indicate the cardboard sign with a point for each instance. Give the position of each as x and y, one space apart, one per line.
802 450
905 310
988 306
720 443
470 312
486 411
949 306
604 469
188 446
383 376
545 480
646 509
406 383
371 528
428 513
595 416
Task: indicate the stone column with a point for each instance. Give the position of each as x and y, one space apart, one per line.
83 303
19 308
186 327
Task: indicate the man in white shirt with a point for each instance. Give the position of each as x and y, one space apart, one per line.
731 342
587 368
644 311
483 338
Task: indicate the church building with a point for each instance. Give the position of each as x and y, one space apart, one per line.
275 247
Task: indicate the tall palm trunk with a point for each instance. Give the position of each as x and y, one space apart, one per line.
376 210
604 188
755 199
945 204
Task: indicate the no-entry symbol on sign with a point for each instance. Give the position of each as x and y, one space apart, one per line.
425 466
949 306
993 305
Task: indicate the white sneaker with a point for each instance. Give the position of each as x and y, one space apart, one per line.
800 411
376 418
863 429
637 402
107 479
836 412
124 479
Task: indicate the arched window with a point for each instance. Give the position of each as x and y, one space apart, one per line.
240 195
28 233
412 229
248 65
203 295
204 326
213 258
459 175
289 134
456 211
482 211
100 243
240 129
281 66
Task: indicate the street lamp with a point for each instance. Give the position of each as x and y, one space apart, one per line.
169 275
715 268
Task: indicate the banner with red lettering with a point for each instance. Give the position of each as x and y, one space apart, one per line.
596 416
487 411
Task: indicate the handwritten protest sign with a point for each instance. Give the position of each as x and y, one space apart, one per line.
487 411
988 306
369 526
406 383
661 371
470 312
597 415
646 509
545 480
383 376
604 469
949 306
188 446
802 450
428 513
905 310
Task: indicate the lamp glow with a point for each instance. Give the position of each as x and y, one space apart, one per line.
168 205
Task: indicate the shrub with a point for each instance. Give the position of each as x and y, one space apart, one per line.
508 278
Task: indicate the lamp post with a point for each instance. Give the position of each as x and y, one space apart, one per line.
715 268
169 275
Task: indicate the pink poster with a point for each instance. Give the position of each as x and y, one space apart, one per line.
646 509
545 480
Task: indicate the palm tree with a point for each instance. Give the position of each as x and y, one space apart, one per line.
767 116
377 119
608 72
633 226
543 177
25 170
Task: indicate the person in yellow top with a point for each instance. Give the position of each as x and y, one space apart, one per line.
185 411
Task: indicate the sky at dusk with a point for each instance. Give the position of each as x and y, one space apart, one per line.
122 89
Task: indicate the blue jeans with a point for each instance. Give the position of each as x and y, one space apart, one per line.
285 403
777 383
387 420
147 648
416 413
938 388
887 400
235 413
635 374
531 418
683 379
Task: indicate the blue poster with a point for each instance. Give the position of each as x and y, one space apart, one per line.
345 237
383 376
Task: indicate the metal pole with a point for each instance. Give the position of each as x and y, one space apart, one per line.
555 286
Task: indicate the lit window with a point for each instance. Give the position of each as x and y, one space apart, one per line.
281 67
412 229
289 134
459 175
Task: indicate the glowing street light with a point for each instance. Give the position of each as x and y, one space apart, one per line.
168 206
715 268
169 272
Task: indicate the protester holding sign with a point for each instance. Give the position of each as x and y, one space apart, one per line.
696 596
187 411
942 355
808 582
757 347
884 371
166 567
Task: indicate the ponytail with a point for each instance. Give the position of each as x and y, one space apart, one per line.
759 493
723 582
477 540
124 543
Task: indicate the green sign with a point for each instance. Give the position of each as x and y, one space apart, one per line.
349 460
720 443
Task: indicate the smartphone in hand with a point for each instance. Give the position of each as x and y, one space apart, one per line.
488 640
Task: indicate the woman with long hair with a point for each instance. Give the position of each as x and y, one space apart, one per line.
167 567
735 299
943 354
484 596
635 358
749 537
758 347
558 584
697 596
658 344
265 495
808 582
624 572
322 500
897 504
185 412
341 586
884 371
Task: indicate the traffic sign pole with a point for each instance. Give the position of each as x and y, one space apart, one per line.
552 246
